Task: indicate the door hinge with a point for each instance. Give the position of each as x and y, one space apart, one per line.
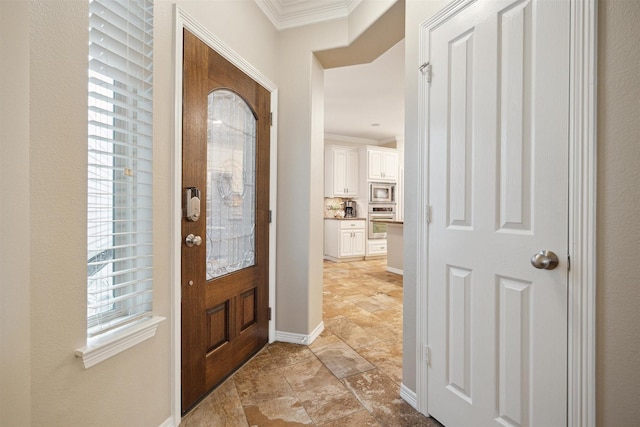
428 214
426 70
568 262
269 311
426 354
270 119
270 216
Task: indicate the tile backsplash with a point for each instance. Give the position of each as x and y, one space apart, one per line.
334 207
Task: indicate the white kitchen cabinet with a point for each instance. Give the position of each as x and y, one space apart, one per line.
344 239
382 164
377 247
341 172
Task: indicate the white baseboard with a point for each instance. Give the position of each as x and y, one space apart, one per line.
168 423
395 270
300 338
409 396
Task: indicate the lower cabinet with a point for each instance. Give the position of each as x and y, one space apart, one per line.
344 239
377 247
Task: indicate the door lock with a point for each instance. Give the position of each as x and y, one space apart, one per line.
192 202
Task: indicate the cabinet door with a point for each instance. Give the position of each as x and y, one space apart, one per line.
376 165
346 243
359 242
351 173
390 171
339 172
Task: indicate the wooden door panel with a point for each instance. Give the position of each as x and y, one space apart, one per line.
224 309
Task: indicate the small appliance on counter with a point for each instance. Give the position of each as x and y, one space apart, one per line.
349 209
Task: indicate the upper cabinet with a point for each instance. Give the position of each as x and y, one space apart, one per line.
341 172
382 164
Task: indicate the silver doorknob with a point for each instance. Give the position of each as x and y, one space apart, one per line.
192 240
545 260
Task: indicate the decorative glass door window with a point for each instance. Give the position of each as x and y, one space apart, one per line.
231 176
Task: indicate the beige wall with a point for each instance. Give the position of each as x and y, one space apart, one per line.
618 233
15 236
43 245
43 175
300 166
43 137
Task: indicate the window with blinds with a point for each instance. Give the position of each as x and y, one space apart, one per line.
119 216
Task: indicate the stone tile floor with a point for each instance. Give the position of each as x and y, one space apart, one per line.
349 376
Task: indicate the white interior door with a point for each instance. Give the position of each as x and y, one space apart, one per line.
498 192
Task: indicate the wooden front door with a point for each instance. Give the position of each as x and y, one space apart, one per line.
225 230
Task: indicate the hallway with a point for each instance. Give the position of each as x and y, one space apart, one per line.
350 376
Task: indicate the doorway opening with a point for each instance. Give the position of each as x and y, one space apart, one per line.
362 276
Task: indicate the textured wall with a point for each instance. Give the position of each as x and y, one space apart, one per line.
43 96
63 392
618 235
15 331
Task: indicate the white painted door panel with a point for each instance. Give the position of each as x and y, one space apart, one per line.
498 177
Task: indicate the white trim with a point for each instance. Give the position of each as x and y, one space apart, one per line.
284 15
581 402
169 422
273 197
351 139
581 405
395 270
364 141
300 338
111 343
408 395
183 20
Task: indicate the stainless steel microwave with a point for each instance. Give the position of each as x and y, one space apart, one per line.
382 192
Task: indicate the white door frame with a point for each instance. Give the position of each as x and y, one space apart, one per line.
183 20
582 212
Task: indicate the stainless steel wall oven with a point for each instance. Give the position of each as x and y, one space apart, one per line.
378 228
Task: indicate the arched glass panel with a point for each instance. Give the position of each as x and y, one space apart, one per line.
231 177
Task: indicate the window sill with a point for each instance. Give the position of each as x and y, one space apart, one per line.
115 342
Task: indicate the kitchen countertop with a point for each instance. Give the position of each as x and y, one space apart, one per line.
347 219
388 221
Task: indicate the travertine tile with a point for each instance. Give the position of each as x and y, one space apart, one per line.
341 359
221 408
351 333
325 339
360 419
258 385
324 397
280 412
285 354
387 358
381 397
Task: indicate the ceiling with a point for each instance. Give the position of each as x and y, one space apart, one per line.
364 102
359 97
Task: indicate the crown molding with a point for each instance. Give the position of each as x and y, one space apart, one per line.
285 14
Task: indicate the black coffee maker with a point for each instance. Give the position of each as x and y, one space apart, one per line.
349 209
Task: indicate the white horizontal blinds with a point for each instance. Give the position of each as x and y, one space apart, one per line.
119 217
